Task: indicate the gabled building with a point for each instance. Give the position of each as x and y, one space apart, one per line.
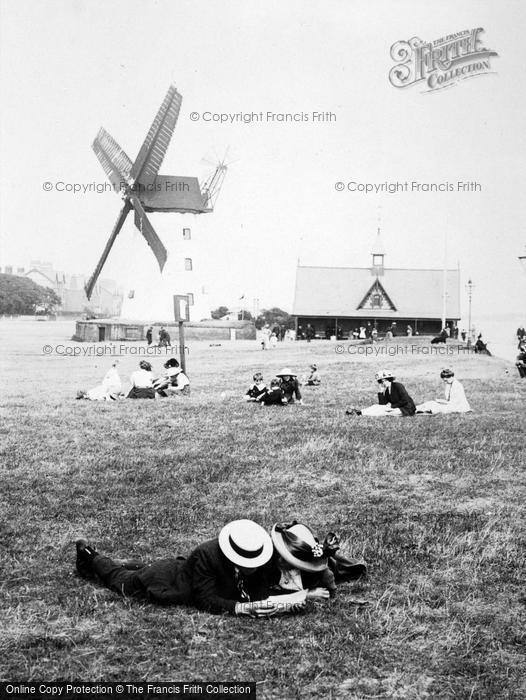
338 300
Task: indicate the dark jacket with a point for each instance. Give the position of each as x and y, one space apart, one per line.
398 397
214 586
272 397
206 579
291 389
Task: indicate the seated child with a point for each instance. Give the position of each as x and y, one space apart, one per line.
174 380
313 379
273 397
256 389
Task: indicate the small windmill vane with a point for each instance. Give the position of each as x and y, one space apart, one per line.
144 190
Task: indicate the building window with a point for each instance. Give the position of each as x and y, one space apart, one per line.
187 235
190 299
378 260
376 301
188 264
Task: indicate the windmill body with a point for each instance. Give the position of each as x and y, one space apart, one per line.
143 190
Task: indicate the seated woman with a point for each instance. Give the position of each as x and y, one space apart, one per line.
305 564
520 364
481 347
393 400
455 400
231 573
273 396
108 390
257 389
289 385
314 378
174 382
142 382
440 338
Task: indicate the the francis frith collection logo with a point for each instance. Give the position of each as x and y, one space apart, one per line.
440 63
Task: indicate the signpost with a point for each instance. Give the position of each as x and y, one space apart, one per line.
181 314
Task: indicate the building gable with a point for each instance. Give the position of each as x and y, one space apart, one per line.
376 298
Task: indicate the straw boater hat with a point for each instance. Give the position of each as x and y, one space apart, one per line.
383 374
296 544
286 372
245 543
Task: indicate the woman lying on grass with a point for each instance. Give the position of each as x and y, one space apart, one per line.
393 399
108 390
229 574
455 400
305 564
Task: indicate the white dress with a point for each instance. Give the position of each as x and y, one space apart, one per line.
109 389
455 400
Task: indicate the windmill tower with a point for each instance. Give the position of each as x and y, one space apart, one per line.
150 293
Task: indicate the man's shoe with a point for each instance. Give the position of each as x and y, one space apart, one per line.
85 556
353 412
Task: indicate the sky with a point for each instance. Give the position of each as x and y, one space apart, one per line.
70 66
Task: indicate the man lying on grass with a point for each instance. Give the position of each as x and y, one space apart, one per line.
231 573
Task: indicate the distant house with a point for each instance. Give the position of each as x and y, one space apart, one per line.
337 300
106 299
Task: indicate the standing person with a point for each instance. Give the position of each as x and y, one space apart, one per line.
310 332
142 382
265 336
164 338
289 385
149 335
409 331
229 574
454 400
393 399
521 334
362 333
463 335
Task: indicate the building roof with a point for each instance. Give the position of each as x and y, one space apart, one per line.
339 291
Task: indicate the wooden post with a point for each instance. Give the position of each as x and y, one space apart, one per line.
180 318
182 354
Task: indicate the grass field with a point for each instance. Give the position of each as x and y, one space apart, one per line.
435 505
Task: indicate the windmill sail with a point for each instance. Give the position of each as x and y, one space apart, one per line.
143 224
113 159
118 225
156 143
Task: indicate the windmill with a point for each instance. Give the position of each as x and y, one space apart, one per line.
144 190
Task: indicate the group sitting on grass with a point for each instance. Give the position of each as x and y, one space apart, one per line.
284 387
144 384
243 571
393 399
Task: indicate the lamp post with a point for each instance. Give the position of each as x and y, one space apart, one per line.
469 287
